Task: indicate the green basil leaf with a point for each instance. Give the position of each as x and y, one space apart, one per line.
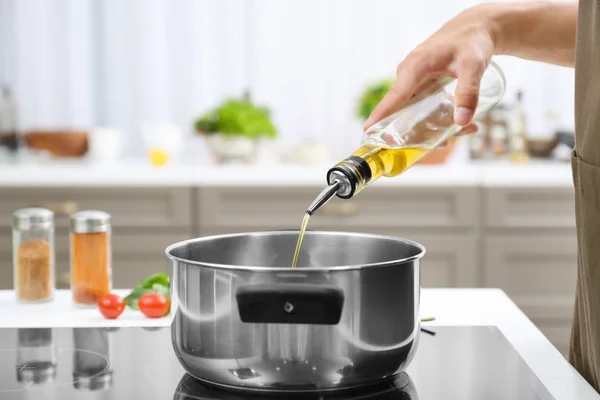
132 299
160 278
165 290
159 283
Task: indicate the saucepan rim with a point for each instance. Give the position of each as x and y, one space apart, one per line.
203 264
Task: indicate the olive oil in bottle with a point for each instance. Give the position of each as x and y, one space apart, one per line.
388 162
369 163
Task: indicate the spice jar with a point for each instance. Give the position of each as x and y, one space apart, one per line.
33 254
91 273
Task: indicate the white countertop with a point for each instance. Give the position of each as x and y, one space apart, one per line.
61 312
79 173
450 307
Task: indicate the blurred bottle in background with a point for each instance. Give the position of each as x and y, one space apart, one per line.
8 121
518 132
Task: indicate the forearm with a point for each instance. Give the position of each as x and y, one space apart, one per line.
538 31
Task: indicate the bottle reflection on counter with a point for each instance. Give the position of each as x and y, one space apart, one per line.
36 356
91 360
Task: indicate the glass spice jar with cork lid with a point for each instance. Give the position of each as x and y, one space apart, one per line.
91 256
33 254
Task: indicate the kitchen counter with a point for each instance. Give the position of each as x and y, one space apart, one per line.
63 313
450 307
80 173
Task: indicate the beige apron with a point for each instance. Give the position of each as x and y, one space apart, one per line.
585 337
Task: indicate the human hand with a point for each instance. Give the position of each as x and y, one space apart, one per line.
462 49
418 128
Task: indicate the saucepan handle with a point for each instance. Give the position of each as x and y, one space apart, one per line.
290 303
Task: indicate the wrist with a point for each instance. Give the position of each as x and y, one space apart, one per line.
508 24
500 22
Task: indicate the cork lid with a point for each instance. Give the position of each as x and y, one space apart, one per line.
90 221
28 218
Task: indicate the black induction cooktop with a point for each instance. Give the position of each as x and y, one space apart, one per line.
462 363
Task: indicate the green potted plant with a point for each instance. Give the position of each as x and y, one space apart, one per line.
233 129
371 96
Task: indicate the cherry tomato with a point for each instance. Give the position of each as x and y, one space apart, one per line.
111 306
154 305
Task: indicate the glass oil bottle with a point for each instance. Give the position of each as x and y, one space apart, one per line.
399 141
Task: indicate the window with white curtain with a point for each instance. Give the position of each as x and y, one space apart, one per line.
124 63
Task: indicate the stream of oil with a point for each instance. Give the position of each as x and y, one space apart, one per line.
300 237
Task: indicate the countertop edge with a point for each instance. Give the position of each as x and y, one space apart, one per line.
467 175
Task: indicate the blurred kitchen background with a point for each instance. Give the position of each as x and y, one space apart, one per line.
196 117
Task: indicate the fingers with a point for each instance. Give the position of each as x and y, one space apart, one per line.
469 129
409 76
417 71
397 94
469 72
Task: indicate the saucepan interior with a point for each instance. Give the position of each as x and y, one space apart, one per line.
274 250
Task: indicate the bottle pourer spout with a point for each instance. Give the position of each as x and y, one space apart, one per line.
323 197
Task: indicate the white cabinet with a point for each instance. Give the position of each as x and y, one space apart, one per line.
451 260
530 251
537 272
385 207
535 208
137 207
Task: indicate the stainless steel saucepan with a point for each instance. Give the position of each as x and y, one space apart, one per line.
347 316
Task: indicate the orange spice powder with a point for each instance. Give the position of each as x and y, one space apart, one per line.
90 266
34 270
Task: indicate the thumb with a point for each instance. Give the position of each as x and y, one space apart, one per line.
467 93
